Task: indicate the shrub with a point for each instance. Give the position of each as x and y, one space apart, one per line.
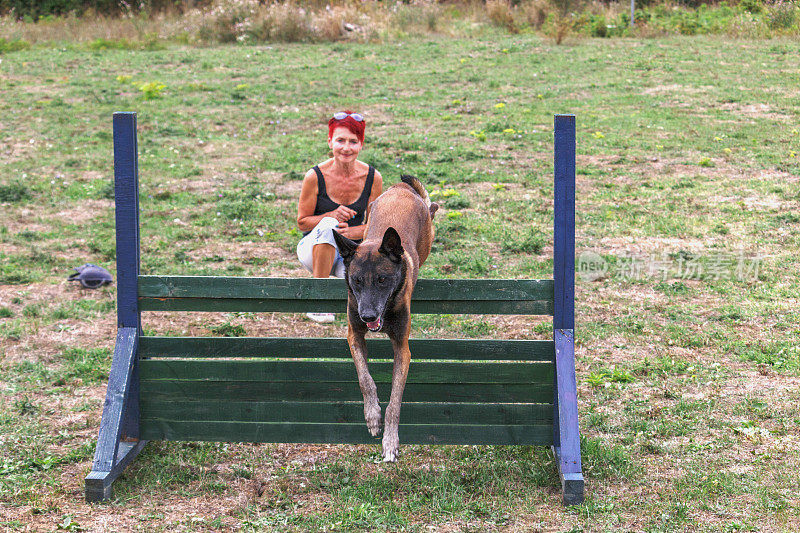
329 25
598 27
753 6
13 45
535 12
559 26
781 15
565 7
747 26
423 17
250 20
289 23
501 14
688 25
152 90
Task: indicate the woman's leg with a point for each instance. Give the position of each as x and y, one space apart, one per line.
322 258
317 252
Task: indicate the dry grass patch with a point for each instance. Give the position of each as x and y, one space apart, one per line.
45 337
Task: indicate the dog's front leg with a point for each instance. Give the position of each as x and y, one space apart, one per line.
372 409
402 360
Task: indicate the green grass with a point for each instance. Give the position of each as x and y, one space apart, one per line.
687 393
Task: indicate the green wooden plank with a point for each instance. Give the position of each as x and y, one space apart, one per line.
305 347
338 371
345 391
211 293
343 433
240 305
335 289
243 305
353 412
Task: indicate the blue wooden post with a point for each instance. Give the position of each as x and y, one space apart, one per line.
126 200
566 436
118 442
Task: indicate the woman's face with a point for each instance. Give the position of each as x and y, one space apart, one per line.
345 145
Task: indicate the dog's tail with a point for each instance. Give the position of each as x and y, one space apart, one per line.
415 184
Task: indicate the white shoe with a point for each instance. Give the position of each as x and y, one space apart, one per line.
322 318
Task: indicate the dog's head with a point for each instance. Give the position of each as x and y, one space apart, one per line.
374 273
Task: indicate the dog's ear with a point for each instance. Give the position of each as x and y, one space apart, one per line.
347 248
433 208
391 245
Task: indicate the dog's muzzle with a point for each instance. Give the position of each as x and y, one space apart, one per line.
375 325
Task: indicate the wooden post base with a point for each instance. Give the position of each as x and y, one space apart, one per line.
571 482
571 488
99 484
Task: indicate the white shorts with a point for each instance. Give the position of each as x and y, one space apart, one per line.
322 233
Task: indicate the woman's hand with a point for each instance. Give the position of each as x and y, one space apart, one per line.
342 213
351 232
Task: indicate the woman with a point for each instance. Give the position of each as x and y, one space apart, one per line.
335 194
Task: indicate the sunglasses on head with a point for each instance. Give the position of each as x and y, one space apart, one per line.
343 115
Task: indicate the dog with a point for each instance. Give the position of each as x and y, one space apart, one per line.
381 273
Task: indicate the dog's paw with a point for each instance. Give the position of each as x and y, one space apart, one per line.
391 448
389 457
373 417
374 426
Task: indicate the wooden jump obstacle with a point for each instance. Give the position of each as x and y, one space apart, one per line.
305 390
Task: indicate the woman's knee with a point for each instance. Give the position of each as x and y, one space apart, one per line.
304 254
327 223
323 232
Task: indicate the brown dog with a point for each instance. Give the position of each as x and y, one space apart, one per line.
381 273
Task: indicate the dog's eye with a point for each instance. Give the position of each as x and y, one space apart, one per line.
381 279
358 281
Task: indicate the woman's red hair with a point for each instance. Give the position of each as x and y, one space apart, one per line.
356 127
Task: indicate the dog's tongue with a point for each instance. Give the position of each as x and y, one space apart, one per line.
374 326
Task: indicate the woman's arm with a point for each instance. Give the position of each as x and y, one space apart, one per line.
377 189
306 219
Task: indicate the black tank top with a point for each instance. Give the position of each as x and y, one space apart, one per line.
325 204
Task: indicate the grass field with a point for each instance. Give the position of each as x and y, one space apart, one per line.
687 346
